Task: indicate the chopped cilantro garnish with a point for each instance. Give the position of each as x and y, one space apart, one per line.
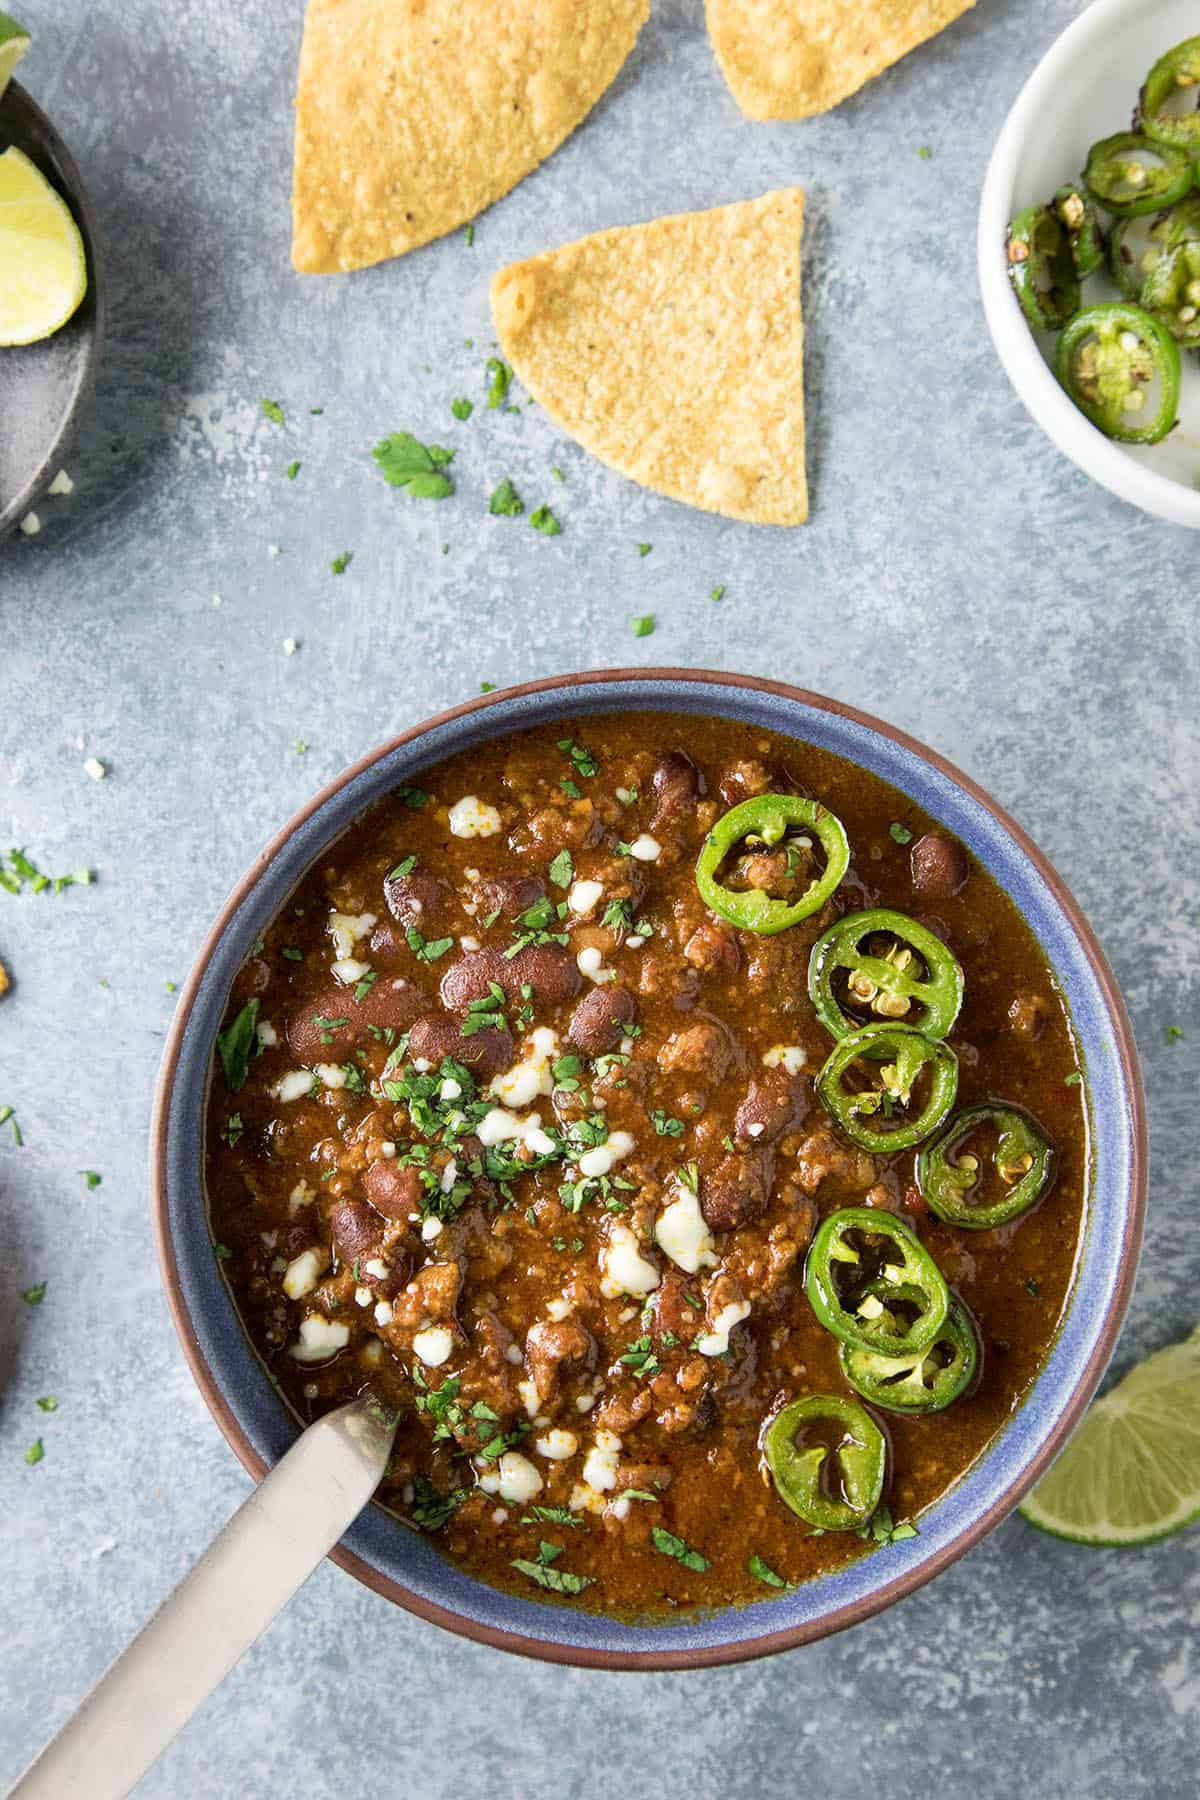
718 592
91 1177
235 1045
558 1581
8 1117
580 755
292 952
670 1545
362 988
880 1529
642 626
301 747
35 1452
499 379
233 1129
487 687
342 562
430 1508
293 469
20 870
543 520
551 1515
557 474
924 152
505 502
462 409
898 833
222 1252
425 949
405 462
571 790
562 869
689 1177
618 915
33 1296
761 1571
402 869
469 232
641 1359
272 410
1174 1033
1074 1079
47 1403
413 797
644 549
1031 1286
665 1125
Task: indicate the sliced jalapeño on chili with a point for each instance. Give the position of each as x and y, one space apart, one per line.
867 1084
1041 268
1175 75
1129 174
860 1253
1077 215
827 1458
885 964
773 821
950 1173
921 1381
1122 370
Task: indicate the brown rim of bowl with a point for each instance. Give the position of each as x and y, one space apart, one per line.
890 1591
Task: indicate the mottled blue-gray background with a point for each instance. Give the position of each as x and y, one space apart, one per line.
957 576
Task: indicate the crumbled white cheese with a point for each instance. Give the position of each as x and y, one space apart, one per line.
527 1389
584 897
786 1056
626 796
514 1479
532 1075
302 1195
434 1346
624 1270
346 928
430 1229
590 962
376 1266
292 1086
716 1341
449 1177
320 1338
600 1464
290 646
585 1403
384 1312
62 484
513 1354
304 1272
332 1074
266 1034
598 1161
683 1234
371 1353
498 1126
471 817
349 969
95 768
559 1308
31 524
468 943
557 1445
646 848
363 1296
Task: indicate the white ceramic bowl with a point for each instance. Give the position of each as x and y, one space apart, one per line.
1083 89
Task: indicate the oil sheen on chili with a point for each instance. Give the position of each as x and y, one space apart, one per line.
651 1159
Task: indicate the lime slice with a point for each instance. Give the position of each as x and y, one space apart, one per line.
14 42
1131 1471
43 268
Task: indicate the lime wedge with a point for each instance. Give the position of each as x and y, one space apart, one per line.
14 42
1131 1471
43 268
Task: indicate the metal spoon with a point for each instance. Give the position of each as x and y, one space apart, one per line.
247 1575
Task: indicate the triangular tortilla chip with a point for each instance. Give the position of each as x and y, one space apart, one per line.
785 59
414 115
674 352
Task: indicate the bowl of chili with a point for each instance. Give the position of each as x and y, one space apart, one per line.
1064 128
881 1331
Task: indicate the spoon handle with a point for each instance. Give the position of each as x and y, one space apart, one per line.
246 1576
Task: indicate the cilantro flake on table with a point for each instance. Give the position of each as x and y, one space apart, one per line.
469 232
92 1178
644 549
505 502
47 1403
462 409
293 469
33 1296
924 152
487 687
341 563
18 869
643 626
35 1452
8 1117
718 592
543 520
405 462
498 376
272 410
1174 1033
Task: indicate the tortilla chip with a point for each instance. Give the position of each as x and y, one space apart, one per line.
674 352
414 115
785 59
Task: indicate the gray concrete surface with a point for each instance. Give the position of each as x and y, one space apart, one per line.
957 576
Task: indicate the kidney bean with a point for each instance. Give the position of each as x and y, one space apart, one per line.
548 969
485 1053
394 1189
736 1191
675 785
509 894
421 899
386 1003
357 1229
601 1020
774 1103
939 866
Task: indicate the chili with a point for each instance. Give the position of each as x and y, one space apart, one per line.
1023 1161
1107 360
805 1475
1041 268
915 968
1179 68
1130 174
905 1269
910 1052
769 817
1074 209
922 1381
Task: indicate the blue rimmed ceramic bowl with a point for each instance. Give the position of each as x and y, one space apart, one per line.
404 1566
